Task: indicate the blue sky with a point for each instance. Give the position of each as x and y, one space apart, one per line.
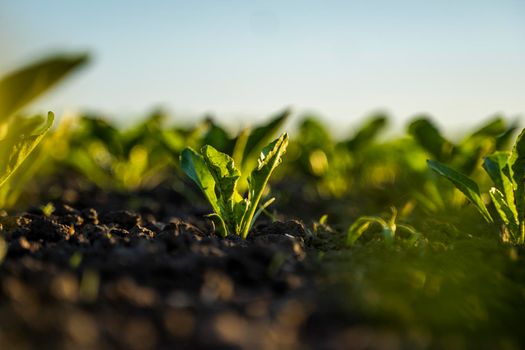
460 61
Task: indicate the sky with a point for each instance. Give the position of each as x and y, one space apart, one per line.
458 61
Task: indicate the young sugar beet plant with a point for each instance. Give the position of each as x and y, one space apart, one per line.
507 172
216 175
389 228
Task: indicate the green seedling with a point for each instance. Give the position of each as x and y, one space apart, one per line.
216 175
507 171
321 224
389 228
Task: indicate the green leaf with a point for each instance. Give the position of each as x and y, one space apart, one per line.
94 128
470 154
240 147
84 161
249 141
517 174
19 142
357 229
144 132
367 133
41 160
480 143
261 209
172 140
313 134
492 128
195 168
506 137
21 87
506 214
497 167
222 168
263 134
271 156
463 183
218 137
429 137
220 225
415 236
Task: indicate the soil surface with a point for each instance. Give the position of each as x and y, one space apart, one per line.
94 274
102 270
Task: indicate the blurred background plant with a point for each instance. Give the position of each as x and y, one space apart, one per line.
21 134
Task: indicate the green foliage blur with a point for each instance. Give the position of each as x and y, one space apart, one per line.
403 244
20 134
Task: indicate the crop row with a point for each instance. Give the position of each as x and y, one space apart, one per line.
354 179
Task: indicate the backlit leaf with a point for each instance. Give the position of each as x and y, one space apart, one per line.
194 166
21 87
18 144
429 137
517 173
463 183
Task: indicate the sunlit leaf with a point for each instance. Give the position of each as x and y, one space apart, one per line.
263 134
222 168
194 166
16 146
497 167
463 183
21 87
367 133
429 137
218 138
269 160
506 214
517 174
492 128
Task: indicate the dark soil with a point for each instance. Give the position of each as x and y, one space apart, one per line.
94 276
146 271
